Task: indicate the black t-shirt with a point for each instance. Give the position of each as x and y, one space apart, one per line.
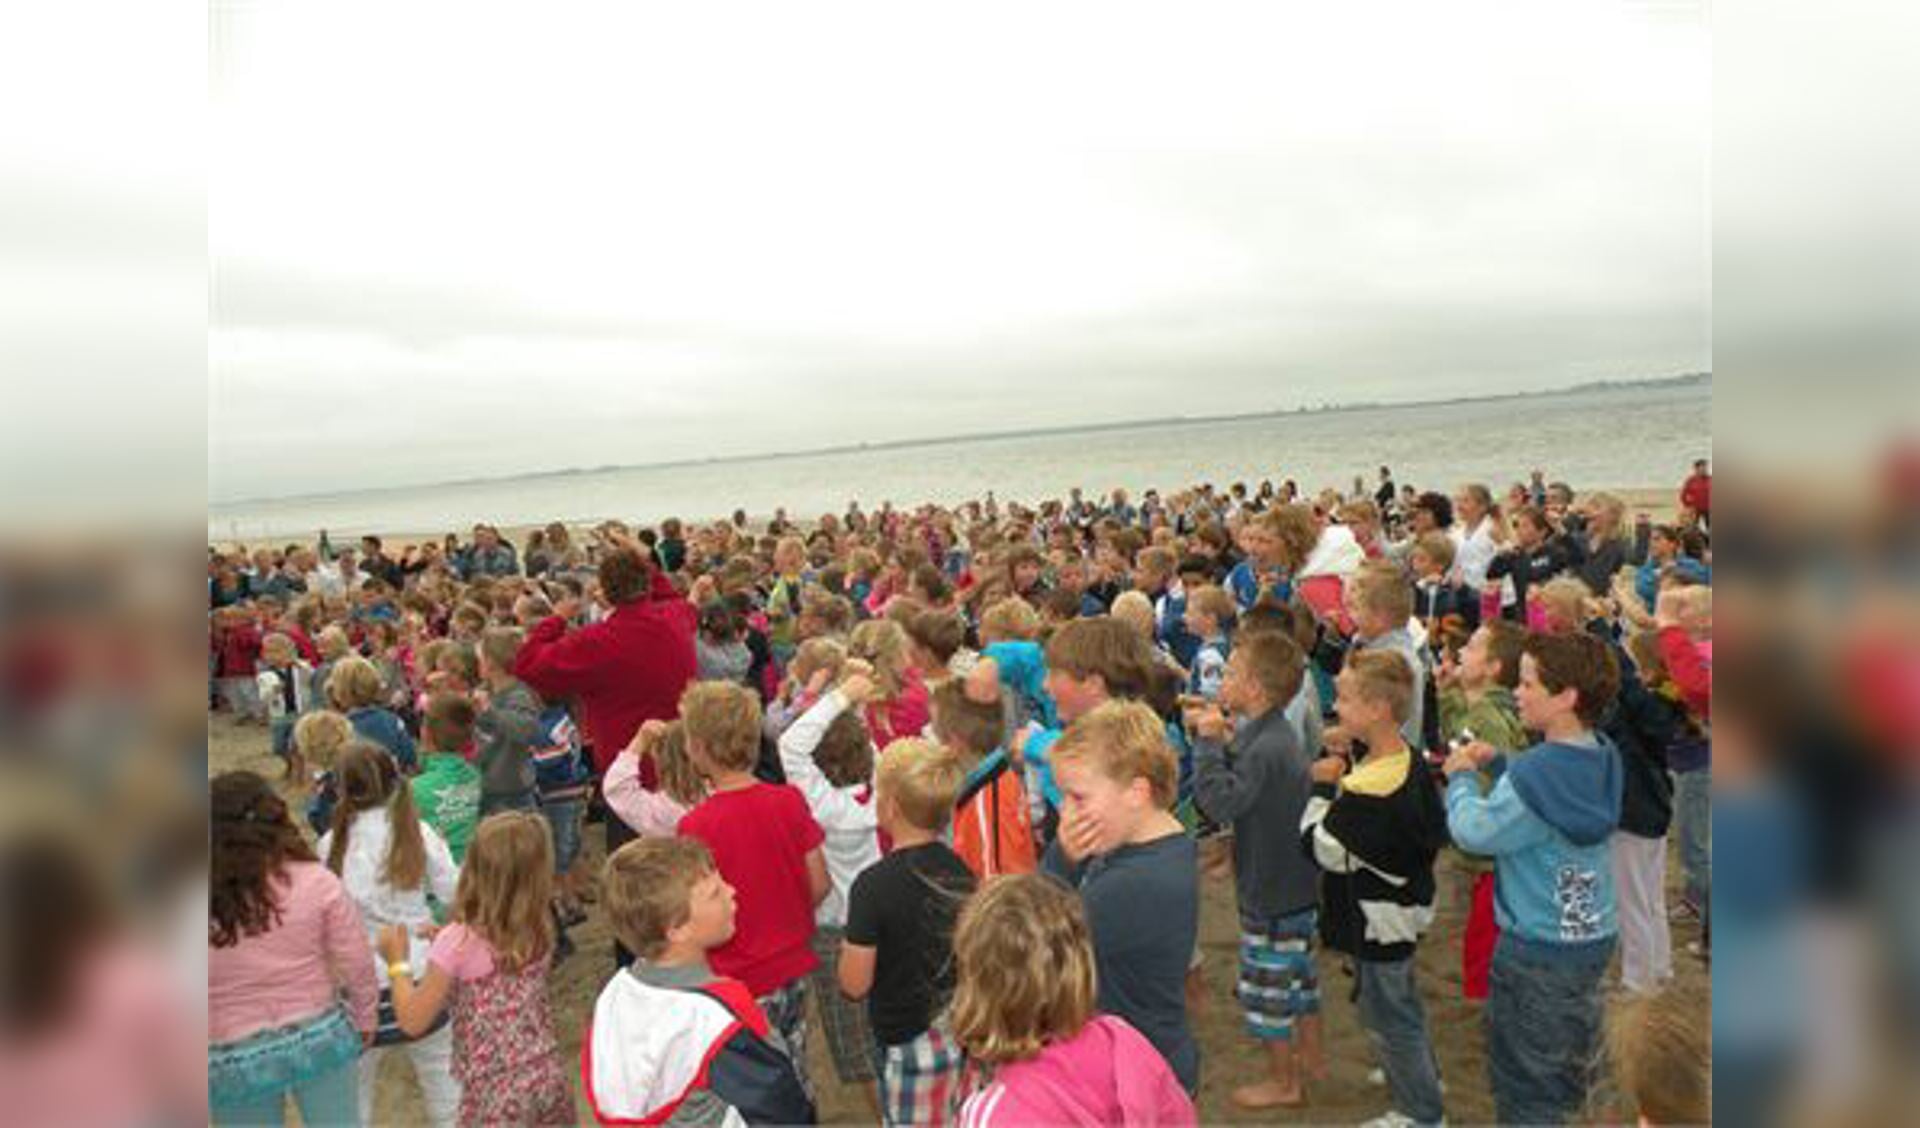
903 907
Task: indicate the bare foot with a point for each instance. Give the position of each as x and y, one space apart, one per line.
1267 1094
1315 1069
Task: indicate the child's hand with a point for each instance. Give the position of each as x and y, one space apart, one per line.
1328 769
392 943
646 739
1079 837
1447 672
857 689
1667 610
817 683
1469 758
701 590
1208 722
983 682
1337 741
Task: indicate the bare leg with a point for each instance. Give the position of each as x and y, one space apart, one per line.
1313 1048
1282 1085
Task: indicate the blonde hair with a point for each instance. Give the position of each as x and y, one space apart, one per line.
1615 509
724 720
974 727
648 885
506 882
1213 600
277 643
1661 1045
1296 530
1380 587
921 779
320 735
1135 610
1383 678
1567 599
1010 618
1275 662
500 646
355 683
1023 969
818 654
882 644
331 642
680 778
1124 741
461 660
1436 547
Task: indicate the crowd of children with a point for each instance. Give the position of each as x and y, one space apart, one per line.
943 783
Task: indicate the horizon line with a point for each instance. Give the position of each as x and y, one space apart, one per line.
987 436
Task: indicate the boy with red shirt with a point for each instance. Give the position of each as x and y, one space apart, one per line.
767 846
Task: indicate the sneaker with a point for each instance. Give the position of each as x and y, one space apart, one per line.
1378 1076
1394 1119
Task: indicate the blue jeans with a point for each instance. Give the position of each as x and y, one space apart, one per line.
329 1100
1693 825
316 1062
1543 1027
563 816
1391 1012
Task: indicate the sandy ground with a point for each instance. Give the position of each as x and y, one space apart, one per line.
1229 1057
1660 505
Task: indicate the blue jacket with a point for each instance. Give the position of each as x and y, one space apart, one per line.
1646 582
380 726
1170 628
1546 824
1243 583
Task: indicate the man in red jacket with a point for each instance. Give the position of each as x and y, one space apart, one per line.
1696 494
626 669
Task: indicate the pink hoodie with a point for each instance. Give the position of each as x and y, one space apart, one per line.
1106 1074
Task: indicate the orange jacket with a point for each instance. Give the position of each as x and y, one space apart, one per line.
992 831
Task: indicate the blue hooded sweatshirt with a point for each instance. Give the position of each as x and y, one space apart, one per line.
1546 824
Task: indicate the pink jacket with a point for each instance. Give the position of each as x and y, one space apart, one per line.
289 973
1106 1074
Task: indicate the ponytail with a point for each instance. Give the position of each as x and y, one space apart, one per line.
368 777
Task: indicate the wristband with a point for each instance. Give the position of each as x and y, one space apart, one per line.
398 970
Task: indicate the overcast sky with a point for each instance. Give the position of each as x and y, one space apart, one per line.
448 244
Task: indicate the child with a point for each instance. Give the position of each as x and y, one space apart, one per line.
358 690
1374 831
655 812
992 826
508 728
1380 602
1261 787
447 790
1662 1053
284 685
671 1043
332 644
1155 577
1476 703
1209 615
238 641
767 847
816 664
783 599
720 651
827 756
391 865
1547 823
318 739
1436 598
898 949
490 968
938 647
899 707
562 781
1688 755
1024 1005
1135 867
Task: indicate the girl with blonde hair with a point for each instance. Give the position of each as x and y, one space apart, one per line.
1023 1007
899 706
489 967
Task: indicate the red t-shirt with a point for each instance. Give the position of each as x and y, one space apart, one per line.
760 837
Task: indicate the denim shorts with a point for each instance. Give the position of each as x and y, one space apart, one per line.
278 1060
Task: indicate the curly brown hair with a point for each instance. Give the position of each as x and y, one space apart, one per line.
253 839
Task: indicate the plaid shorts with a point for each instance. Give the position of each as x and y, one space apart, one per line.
843 1021
786 1011
1278 982
920 1080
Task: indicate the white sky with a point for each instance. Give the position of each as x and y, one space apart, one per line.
469 241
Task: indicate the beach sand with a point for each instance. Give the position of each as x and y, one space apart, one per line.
1229 1057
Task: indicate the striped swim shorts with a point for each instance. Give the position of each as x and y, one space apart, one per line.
1277 979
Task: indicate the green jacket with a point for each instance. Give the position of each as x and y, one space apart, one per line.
1493 718
447 792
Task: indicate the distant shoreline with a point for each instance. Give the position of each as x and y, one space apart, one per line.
1693 379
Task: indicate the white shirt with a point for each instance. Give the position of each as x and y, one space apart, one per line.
847 816
362 870
1474 552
